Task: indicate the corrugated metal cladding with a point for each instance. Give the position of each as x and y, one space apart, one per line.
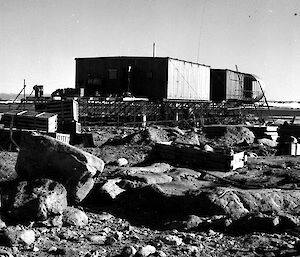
151 77
234 85
188 81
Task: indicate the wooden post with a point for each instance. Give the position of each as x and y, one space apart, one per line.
176 118
144 120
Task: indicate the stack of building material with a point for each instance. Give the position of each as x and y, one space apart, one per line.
67 111
223 160
30 120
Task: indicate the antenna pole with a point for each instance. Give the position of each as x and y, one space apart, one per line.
153 49
24 105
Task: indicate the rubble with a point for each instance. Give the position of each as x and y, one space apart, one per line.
151 208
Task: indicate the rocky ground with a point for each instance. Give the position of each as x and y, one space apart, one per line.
156 208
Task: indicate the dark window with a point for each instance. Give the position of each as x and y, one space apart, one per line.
112 73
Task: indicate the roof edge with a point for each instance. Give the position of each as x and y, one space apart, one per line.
141 57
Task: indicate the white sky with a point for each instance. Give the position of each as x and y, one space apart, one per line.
39 39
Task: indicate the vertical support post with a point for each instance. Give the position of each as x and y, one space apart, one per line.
144 120
153 49
176 117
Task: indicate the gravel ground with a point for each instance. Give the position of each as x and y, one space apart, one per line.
107 235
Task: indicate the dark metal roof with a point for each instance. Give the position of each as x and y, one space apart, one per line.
139 57
233 71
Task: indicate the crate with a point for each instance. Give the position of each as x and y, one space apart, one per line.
67 110
30 120
69 127
195 156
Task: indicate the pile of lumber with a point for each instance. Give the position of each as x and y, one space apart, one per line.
30 120
67 111
223 160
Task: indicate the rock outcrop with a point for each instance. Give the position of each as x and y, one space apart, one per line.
34 200
45 157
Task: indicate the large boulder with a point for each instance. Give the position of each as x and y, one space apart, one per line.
34 200
42 156
203 198
238 135
75 217
239 202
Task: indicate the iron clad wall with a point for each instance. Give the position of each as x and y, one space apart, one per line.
142 76
234 85
188 81
150 77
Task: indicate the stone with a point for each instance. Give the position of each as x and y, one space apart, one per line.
104 216
239 202
191 222
75 217
92 253
238 135
55 221
68 235
27 237
185 174
11 236
255 222
192 250
184 198
122 162
118 235
111 240
57 250
5 253
2 224
208 148
98 239
267 142
153 168
111 189
172 240
35 249
149 177
107 230
39 199
190 138
156 134
160 253
145 251
42 156
128 251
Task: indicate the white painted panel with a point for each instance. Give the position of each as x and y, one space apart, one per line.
188 81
